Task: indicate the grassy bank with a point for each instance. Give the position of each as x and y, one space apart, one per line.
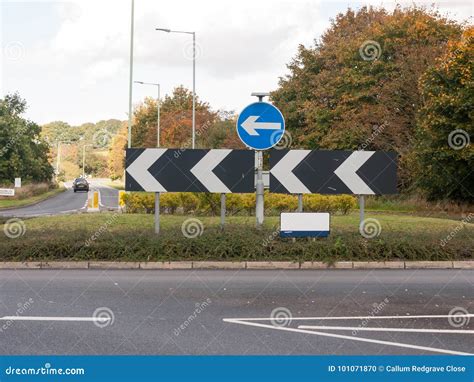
29 194
130 237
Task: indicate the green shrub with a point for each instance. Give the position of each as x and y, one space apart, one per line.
209 204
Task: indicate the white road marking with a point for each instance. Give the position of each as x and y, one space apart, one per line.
358 317
412 330
352 338
48 318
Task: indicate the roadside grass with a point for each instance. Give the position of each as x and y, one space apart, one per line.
25 198
130 237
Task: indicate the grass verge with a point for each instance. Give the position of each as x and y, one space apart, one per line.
128 237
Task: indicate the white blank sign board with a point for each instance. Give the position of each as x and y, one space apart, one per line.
304 224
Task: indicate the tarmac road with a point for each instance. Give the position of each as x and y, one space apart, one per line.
68 202
236 312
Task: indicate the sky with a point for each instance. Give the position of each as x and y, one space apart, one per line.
70 59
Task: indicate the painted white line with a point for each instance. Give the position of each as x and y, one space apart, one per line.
411 330
352 338
47 318
357 317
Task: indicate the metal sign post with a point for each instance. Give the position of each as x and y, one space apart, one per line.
260 126
300 203
259 208
361 210
223 210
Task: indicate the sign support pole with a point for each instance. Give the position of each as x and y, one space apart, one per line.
259 190
223 210
361 209
300 202
157 213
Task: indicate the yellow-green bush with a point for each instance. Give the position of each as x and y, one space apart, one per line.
206 203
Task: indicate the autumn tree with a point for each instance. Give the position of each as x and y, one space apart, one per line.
116 159
175 120
356 87
444 156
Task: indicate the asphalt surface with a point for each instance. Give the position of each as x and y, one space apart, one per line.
228 312
68 202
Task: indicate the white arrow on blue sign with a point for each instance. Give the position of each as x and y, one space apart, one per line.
260 126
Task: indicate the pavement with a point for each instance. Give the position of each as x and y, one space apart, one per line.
407 311
68 202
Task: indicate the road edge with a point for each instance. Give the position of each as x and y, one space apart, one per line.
237 265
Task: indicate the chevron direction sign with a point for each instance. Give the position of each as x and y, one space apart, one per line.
186 170
333 172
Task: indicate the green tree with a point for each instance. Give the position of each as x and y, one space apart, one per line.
444 157
23 153
355 88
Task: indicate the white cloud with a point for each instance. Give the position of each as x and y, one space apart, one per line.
79 71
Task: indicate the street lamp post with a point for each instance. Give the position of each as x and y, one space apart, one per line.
130 83
194 76
158 106
84 160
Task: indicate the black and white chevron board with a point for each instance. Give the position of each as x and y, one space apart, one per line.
333 172
187 170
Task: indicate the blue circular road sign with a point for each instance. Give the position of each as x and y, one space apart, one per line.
260 125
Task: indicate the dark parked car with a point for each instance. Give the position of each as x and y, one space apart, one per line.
80 184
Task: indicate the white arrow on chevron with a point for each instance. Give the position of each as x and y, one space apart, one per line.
139 170
347 172
202 170
250 125
283 171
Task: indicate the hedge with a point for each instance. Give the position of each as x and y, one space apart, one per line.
209 204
